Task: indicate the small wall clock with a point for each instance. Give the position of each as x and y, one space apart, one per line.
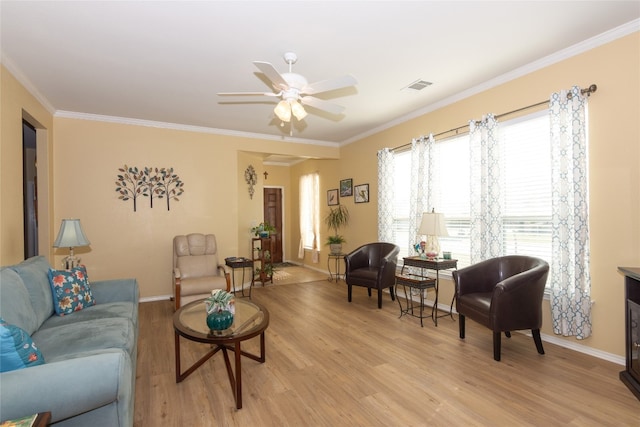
251 178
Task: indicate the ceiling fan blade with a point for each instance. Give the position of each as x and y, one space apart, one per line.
328 85
272 74
248 94
321 104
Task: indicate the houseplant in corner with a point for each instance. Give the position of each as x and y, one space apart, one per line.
263 229
337 218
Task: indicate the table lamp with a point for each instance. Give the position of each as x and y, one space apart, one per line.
432 226
71 236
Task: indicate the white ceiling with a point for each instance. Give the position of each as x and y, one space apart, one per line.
165 61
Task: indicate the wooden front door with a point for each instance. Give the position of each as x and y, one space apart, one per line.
273 215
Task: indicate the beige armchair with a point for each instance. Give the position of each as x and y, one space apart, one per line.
196 271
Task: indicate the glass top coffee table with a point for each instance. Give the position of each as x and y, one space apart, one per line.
250 320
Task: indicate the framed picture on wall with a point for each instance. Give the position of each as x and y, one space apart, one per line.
346 187
332 197
361 193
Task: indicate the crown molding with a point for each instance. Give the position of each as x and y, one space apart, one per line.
576 49
28 85
187 128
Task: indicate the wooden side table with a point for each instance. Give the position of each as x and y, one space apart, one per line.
42 419
435 265
422 284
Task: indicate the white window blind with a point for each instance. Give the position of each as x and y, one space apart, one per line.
526 185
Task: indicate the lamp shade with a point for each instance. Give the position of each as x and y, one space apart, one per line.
71 235
432 224
283 110
298 110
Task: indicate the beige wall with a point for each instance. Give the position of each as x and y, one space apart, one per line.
16 104
614 134
137 244
86 155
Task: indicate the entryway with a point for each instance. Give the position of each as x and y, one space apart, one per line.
273 215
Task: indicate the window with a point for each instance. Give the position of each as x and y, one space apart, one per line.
310 211
526 184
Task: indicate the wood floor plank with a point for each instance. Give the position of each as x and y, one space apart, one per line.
330 362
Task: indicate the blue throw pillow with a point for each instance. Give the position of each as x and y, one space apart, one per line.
17 349
71 291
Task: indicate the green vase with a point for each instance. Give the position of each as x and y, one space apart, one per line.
220 320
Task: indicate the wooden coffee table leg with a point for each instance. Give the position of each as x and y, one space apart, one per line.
177 347
238 391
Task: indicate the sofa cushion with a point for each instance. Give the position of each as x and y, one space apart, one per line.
72 340
33 272
15 304
70 289
123 309
17 349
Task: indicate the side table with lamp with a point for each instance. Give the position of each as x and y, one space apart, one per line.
432 226
71 236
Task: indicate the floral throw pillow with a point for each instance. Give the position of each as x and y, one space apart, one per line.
71 291
17 349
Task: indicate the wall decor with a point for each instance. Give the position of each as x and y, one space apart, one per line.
346 187
361 193
332 197
251 178
154 183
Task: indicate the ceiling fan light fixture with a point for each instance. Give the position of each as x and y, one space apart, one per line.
298 110
283 110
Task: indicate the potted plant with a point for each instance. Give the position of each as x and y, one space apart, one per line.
263 229
337 218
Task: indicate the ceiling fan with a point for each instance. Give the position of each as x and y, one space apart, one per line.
294 91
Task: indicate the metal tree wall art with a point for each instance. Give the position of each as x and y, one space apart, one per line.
130 185
169 184
153 183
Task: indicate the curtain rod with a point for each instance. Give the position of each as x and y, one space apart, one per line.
588 91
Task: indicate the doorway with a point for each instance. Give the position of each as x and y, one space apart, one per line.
29 190
273 215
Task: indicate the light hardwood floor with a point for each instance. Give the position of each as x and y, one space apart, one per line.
334 363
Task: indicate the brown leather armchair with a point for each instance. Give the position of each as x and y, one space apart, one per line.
196 271
373 266
504 294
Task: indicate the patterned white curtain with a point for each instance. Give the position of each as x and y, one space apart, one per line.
486 194
570 279
422 182
385 196
309 215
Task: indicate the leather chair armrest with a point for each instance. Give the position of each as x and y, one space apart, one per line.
226 271
509 305
356 259
176 287
528 285
480 277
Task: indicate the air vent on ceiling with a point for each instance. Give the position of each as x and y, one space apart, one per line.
418 85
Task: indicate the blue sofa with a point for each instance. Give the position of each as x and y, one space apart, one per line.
88 378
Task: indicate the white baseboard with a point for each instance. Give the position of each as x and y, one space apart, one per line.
156 298
610 357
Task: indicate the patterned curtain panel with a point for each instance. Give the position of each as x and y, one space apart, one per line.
570 279
309 215
385 196
486 194
422 182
